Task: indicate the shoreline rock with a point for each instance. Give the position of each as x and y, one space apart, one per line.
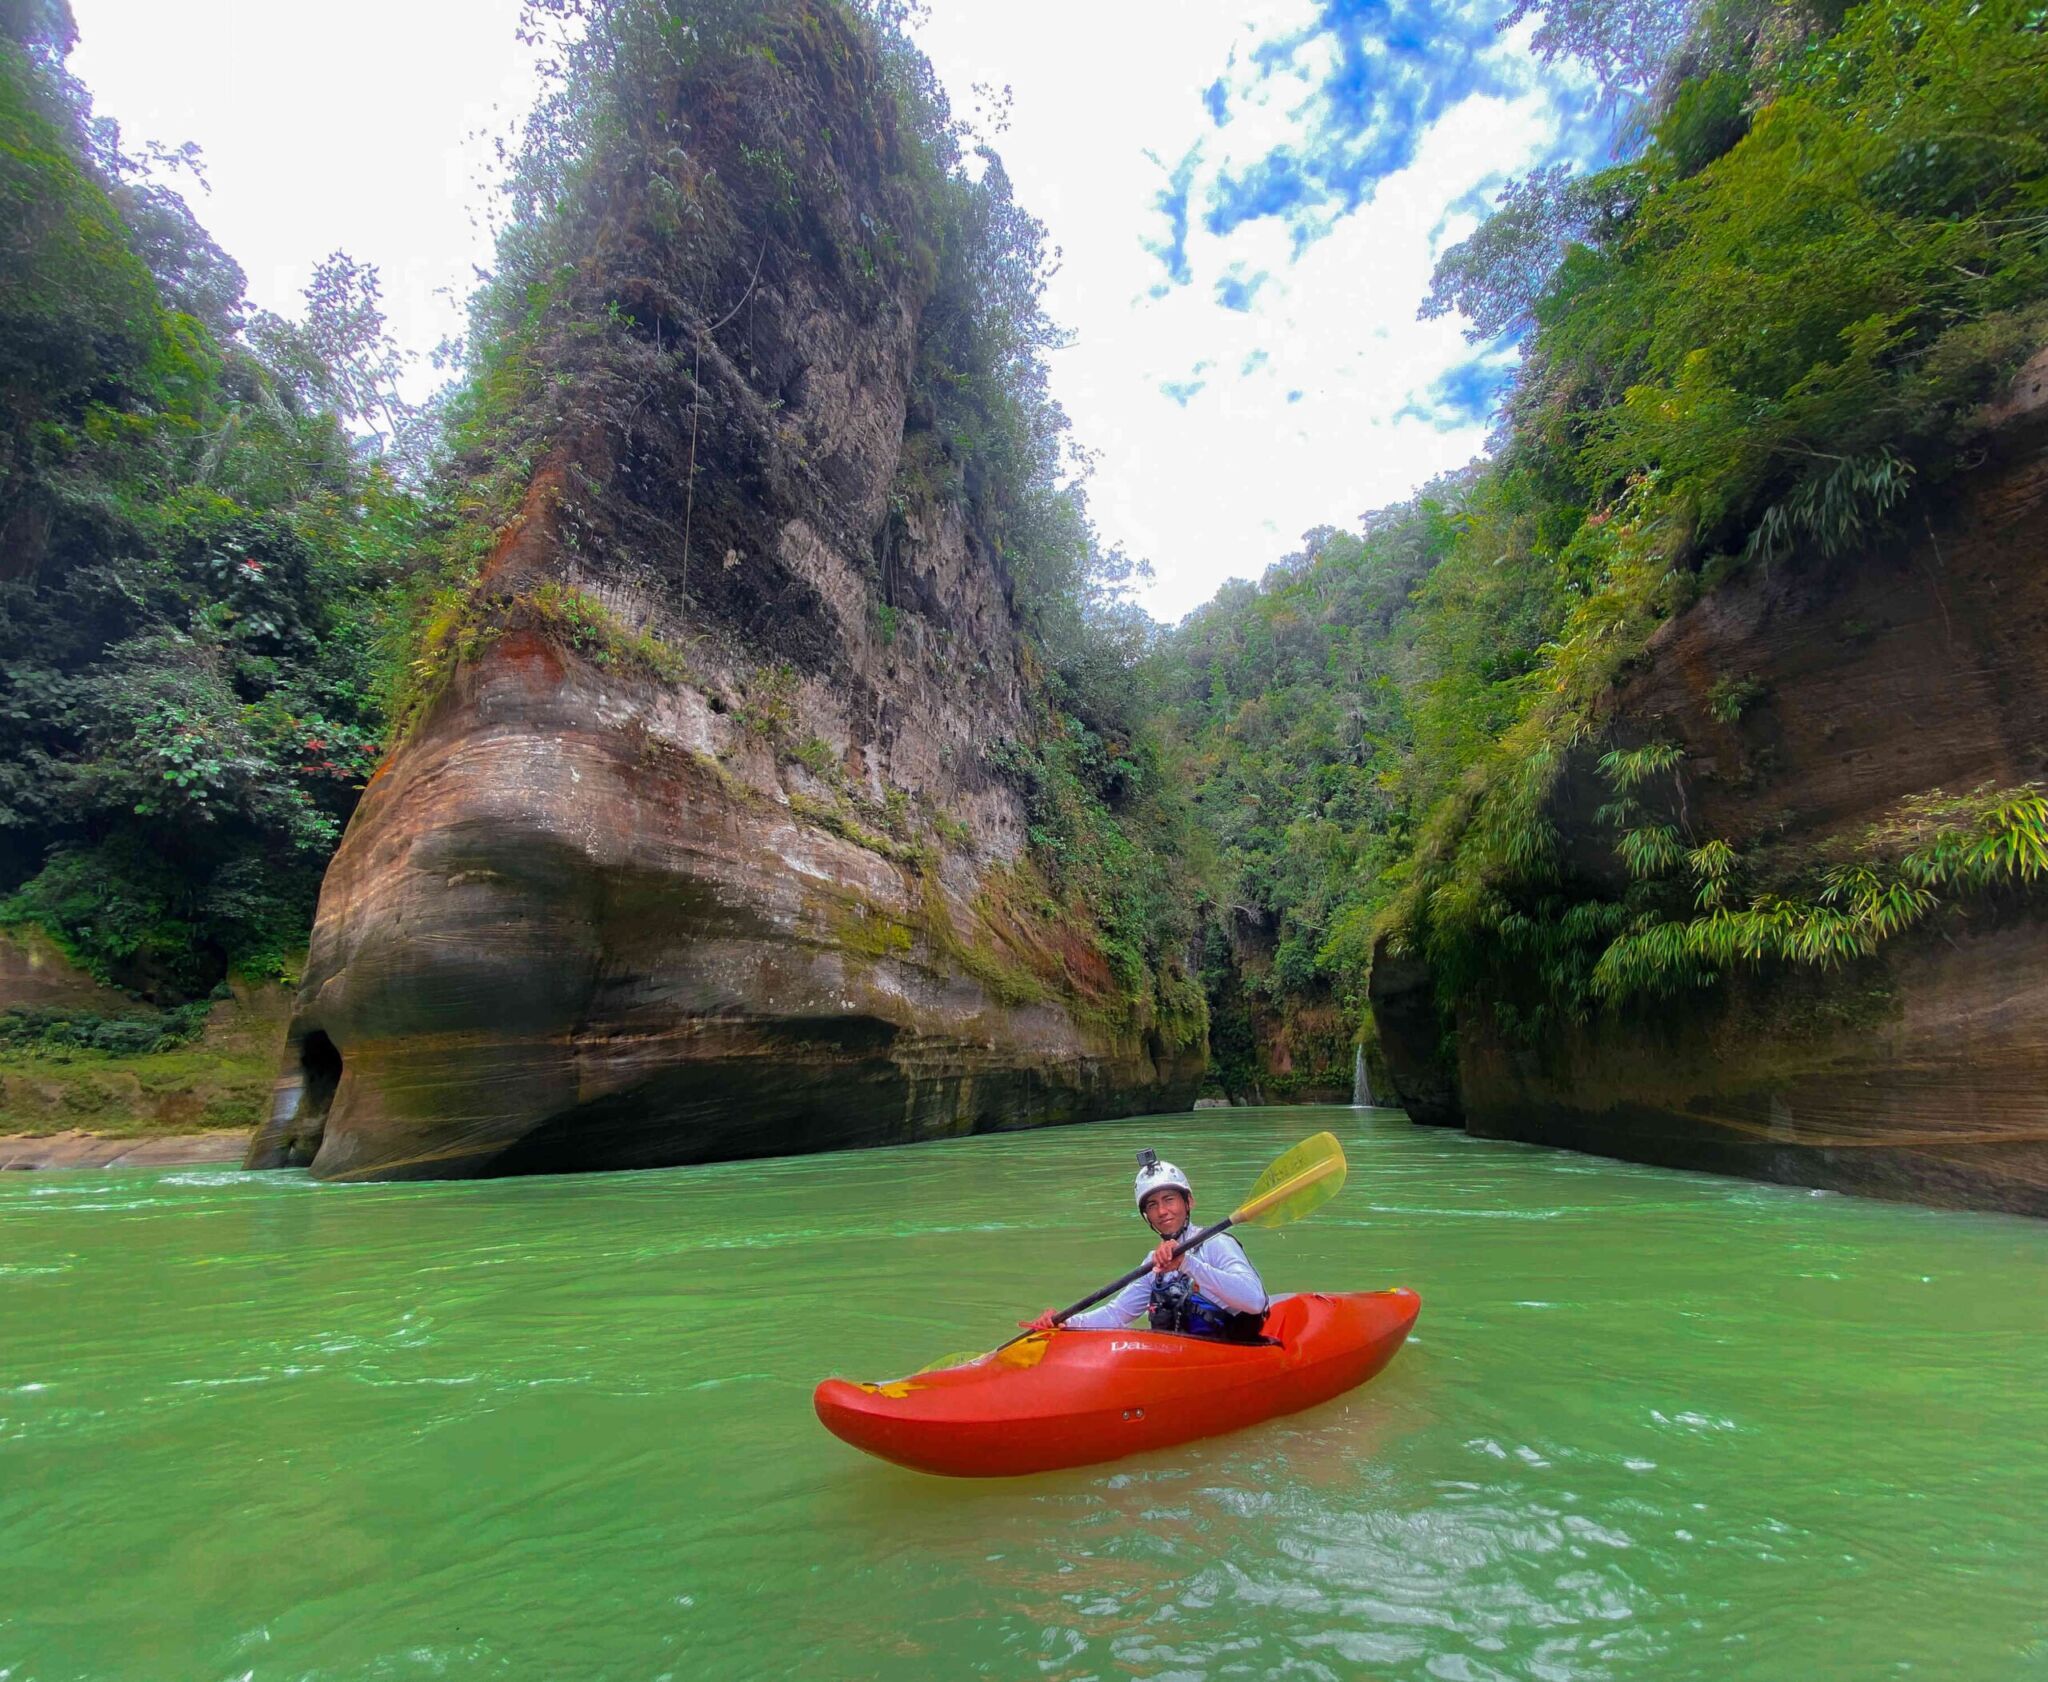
77 1149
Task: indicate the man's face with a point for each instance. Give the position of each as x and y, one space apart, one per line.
1167 1210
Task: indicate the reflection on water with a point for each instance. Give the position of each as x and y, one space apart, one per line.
1650 1425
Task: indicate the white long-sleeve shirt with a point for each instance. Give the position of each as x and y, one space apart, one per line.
1221 1270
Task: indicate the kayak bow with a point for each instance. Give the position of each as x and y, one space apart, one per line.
1071 1398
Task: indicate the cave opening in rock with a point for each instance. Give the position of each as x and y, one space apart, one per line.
320 1059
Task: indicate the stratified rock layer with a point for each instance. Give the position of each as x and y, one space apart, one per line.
1916 665
601 912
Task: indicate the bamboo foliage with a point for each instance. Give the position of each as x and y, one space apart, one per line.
1993 840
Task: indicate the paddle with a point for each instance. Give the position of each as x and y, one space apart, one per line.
1299 1181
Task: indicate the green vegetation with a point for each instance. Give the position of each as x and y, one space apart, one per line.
622 262
194 560
837 818
815 755
861 929
579 621
180 1073
1750 359
82 1030
234 576
768 707
1112 840
1746 345
230 574
576 325
459 625
87 1057
1939 849
1731 697
1291 709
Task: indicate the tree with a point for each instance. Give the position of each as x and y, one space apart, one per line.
342 357
194 566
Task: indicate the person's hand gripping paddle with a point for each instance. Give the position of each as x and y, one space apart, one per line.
1302 1180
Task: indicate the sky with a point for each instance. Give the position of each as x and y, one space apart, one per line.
1248 198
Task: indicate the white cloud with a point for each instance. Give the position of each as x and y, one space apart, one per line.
1107 100
323 127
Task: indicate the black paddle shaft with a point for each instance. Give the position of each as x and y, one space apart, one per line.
1130 1278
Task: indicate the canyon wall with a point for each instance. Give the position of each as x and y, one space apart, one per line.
1815 701
1272 1044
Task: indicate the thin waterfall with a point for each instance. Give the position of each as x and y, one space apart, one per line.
1361 1088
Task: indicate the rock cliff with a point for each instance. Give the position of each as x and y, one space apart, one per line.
699 846
1272 1045
1815 702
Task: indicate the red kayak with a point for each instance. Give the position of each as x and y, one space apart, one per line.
1071 1398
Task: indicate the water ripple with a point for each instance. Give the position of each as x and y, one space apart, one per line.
1652 1425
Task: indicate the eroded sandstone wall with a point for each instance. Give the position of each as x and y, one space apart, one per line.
756 892
1913 665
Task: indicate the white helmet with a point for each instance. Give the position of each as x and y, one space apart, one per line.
1153 1175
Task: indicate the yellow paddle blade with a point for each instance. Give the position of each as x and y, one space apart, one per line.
1305 1178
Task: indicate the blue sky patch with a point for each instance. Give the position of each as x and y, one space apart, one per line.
1375 74
1172 202
1236 290
1277 185
1477 204
1462 396
1356 88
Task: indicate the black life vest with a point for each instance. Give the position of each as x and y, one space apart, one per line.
1178 1307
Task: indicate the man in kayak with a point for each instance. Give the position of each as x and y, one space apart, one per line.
1213 1291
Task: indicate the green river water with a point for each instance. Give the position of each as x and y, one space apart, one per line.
1651 1425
